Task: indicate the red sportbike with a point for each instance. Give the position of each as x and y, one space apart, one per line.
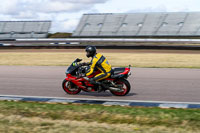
75 81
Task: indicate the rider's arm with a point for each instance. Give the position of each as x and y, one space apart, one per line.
91 70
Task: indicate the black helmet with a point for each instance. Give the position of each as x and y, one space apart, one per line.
91 51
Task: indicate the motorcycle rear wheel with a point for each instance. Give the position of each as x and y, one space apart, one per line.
126 87
70 88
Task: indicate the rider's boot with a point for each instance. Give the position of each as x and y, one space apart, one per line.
100 88
97 84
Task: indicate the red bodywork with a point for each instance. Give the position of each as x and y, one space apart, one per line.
82 83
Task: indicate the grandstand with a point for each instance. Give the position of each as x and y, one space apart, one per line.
24 29
139 24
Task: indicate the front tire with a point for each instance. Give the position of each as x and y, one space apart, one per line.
125 87
70 88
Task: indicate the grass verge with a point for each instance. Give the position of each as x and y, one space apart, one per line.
32 117
157 60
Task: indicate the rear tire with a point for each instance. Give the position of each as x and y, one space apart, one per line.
126 87
70 88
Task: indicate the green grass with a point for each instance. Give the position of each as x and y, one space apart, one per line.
41 117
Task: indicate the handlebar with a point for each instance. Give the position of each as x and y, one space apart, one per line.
84 64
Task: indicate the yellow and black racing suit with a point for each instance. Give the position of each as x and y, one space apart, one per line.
101 63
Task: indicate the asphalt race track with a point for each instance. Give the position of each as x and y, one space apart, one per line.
148 84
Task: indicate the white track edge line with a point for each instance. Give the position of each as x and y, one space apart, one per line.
110 100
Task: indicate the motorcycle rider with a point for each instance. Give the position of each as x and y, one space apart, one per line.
98 62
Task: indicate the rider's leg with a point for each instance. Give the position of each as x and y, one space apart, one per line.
101 76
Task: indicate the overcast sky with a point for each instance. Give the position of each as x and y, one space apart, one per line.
65 14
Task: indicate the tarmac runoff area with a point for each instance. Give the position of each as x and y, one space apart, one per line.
150 87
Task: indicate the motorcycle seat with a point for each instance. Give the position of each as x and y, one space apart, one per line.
117 71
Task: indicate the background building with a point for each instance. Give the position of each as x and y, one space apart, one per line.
139 24
24 29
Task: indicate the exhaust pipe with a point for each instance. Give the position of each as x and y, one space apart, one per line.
115 89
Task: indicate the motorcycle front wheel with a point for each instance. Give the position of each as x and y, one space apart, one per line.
124 86
70 88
